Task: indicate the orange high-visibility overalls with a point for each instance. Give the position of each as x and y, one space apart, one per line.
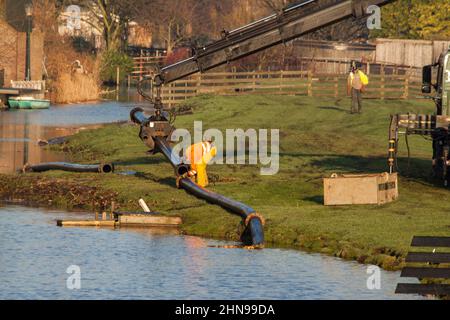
199 155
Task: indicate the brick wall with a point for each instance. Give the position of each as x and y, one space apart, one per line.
13 51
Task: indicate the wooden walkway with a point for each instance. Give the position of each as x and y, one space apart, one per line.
16 92
427 265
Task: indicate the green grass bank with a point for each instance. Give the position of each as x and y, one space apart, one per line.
318 137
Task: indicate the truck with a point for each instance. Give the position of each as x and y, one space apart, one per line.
434 126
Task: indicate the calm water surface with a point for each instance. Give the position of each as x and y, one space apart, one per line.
20 130
155 264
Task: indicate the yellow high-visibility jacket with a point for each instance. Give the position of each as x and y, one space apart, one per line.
199 155
364 78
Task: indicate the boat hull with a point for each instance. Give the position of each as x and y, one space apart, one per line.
28 104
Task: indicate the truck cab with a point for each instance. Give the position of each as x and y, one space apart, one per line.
442 84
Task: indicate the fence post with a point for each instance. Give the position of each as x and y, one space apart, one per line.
336 87
113 209
310 89
117 77
281 80
406 93
141 67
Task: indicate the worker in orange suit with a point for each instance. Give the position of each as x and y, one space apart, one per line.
199 155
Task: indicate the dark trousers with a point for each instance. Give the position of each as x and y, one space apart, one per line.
356 101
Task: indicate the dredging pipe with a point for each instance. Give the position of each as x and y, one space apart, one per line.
253 221
71 167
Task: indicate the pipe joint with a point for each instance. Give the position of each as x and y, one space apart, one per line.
255 216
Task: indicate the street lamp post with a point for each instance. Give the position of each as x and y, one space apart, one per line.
29 18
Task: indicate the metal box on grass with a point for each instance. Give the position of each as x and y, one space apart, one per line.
355 189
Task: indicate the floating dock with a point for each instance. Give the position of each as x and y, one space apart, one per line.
126 219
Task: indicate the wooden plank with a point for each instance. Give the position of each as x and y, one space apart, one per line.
9 91
135 213
245 80
251 73
148 220
423 289
421 273
436 242
428 257
87 223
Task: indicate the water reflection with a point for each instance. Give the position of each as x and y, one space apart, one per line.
151 264
20 130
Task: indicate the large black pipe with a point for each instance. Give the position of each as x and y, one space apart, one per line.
162 146
252 219
71 167
250 216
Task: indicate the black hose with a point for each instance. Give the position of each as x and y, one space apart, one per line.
254 224
253 221
71 167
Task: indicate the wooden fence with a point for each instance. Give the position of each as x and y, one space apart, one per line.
142 66
301 83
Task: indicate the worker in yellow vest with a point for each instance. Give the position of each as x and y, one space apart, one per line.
357 81
199 155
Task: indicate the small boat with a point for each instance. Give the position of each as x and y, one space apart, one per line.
28 103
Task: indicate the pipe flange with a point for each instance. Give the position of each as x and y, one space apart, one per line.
255 216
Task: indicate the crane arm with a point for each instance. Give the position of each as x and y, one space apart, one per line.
292 22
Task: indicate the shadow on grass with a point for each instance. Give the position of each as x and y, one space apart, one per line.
334 109
150 159
414 168
169 181
315 199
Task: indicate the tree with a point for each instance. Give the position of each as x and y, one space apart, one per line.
433 19
415 19
171 19
111 18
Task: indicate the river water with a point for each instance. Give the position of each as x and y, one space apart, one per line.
161 264
20 130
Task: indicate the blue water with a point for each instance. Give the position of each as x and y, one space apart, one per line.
21 130
155 264
71 115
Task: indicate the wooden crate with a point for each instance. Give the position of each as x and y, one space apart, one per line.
355 189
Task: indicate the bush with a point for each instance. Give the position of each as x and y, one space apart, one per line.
75 88
110 61
67 85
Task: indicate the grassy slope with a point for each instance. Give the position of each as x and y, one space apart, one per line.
318 137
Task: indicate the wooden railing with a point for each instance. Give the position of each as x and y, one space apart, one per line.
300 83
143 65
